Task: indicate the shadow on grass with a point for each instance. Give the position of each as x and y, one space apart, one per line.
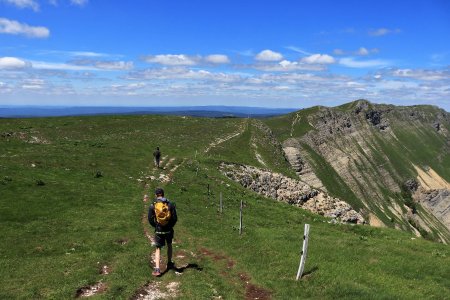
314 269
183 268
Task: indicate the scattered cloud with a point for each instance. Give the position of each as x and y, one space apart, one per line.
298 50
318 59
217 59
60 66
248 52
87 53
104 64
268 55
373 63
33 84
12 63
186 60
172 59
362 51
183 73
422 74
79 2
383 31
438 57
24 4
286 66
338 52
13 27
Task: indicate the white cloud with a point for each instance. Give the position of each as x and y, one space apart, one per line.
13 27
319 59
298 50
170 73
286 66
362 51
268 55
11 63
373 63
383 31
172 59
114 65
339 52
60 66
87 53
33 84
79 2
24 4
104 64
217 59
421 74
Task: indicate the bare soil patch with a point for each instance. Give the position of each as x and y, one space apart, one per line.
122 241
153 291
91 290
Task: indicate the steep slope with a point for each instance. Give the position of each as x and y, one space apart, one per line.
375 157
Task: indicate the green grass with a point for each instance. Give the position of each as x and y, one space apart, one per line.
56 237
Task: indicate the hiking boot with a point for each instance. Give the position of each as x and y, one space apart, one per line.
156 272
170 265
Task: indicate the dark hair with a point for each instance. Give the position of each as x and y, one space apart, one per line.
159 191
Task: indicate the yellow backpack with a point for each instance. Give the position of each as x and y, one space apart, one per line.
162 213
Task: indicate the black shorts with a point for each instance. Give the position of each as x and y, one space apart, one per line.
162 238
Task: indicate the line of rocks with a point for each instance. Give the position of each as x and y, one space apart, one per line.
294 192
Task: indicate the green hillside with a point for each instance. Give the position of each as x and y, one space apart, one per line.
71 203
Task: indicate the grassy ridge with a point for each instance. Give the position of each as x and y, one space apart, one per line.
56 236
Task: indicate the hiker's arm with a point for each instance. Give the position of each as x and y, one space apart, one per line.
151 215
174 218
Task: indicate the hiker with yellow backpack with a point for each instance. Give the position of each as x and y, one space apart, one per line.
162 215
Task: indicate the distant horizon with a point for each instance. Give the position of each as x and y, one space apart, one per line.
289 53
206 106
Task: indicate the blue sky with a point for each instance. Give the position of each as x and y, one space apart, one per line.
250 53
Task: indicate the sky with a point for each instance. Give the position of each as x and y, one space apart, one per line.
290 54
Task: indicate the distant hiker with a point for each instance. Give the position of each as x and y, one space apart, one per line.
157 156
162 215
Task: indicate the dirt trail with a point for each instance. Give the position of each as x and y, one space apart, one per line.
158 177
219 141
295 121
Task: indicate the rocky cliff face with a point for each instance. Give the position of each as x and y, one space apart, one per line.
291 191
373 149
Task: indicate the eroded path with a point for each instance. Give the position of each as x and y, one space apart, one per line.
221 140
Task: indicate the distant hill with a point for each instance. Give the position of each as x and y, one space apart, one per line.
197 111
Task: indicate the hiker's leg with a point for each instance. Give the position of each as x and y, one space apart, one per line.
169 253
157 257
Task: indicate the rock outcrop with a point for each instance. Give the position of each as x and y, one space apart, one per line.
291 191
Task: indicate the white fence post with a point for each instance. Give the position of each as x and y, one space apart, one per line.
301 267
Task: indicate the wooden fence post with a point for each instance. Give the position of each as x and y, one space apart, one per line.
304 252
240 219
209 192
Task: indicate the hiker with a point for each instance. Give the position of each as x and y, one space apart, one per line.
157 156
162 215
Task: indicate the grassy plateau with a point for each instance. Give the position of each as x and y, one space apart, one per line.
71 191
